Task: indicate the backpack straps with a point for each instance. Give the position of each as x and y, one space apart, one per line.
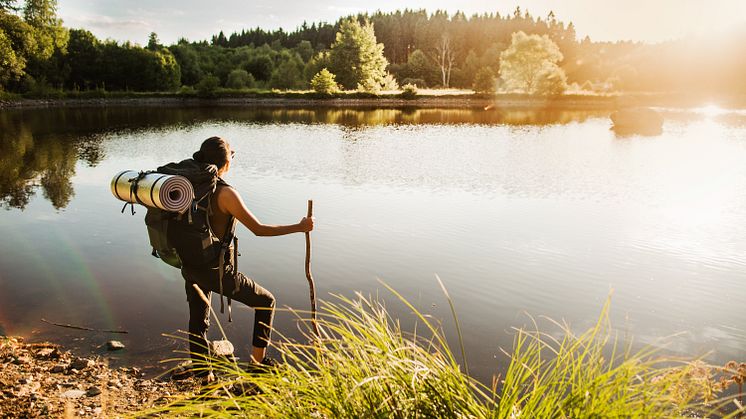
225 243
133 191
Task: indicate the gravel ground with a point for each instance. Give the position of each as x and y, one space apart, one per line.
42 380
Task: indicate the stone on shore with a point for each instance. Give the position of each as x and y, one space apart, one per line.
114 345
72 394
221 348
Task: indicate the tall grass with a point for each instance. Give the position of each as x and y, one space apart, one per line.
365 365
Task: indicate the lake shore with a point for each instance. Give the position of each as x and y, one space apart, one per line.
42 379
354 100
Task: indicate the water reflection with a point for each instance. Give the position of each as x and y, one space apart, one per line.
40 148
31 162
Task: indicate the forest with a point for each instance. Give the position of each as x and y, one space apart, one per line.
366 52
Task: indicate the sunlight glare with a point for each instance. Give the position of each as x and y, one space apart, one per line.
710 110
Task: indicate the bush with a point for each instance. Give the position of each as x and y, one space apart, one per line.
550 80
409 92
484 81
208 86
420 83
187 90
324 82
240 79
287 75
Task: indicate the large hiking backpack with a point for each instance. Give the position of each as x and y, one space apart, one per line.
187 240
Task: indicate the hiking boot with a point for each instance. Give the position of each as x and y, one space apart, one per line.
270 362
263 367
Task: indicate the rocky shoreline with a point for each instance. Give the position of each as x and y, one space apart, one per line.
43 380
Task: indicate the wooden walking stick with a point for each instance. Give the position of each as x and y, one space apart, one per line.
309 277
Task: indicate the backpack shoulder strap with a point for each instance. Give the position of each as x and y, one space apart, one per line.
225 243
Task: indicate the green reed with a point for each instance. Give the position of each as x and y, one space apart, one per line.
365 365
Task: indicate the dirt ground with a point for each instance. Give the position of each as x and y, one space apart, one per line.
42 380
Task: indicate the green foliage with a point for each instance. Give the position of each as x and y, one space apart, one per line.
484 81
83 59
261 67
356 58
48 30
414 49
17 45
409 91
365 365
128 67
153 43
324 82
168 72
415 82
288 75
472 65
240 79
208 86
304 50
317 63
11 66
189 60
528 61
419 66
550 80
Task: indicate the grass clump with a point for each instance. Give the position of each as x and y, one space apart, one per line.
365 365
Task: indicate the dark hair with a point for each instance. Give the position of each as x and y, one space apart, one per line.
213 150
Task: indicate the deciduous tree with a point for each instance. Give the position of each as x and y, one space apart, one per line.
239 79
528 61
484 81
48 30
445 56
17 46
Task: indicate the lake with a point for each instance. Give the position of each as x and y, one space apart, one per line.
540 212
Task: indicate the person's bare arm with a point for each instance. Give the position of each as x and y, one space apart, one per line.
229 201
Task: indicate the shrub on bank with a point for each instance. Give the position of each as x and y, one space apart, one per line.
324 82
409 92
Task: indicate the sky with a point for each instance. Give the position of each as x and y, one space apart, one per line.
602 20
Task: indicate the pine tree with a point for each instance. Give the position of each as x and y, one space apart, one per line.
324 82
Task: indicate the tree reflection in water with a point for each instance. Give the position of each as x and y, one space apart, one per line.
39 148
32 160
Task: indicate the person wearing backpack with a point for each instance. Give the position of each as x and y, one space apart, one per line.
225 208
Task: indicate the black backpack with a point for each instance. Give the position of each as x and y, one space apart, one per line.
187 240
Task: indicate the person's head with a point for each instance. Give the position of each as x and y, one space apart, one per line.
217 151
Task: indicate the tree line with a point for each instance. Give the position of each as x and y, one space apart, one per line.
511 52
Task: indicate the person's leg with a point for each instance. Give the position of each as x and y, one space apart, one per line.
263 302
199 321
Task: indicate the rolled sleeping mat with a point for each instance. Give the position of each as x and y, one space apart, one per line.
166 192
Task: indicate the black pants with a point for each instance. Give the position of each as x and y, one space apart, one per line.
249 293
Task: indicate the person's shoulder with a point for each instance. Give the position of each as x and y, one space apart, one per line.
226 192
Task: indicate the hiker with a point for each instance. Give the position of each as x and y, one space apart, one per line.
226 205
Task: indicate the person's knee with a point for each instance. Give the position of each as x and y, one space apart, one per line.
268 300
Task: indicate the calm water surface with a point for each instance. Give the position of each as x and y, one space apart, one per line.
540 212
